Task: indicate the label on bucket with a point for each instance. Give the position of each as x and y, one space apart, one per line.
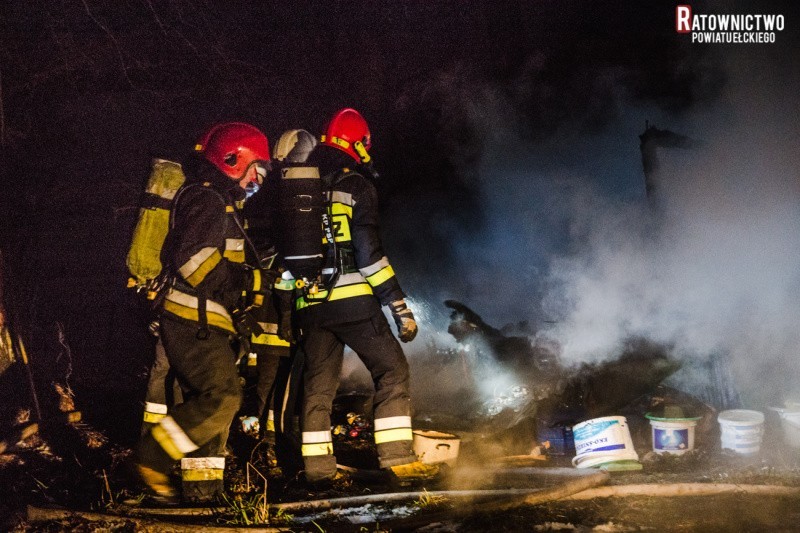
670 439
742 434
742 439
596 437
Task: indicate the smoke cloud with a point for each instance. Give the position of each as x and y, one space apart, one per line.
712 267
709 266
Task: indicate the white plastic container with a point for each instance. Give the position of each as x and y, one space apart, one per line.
741 430
432 447
672 435
790 422
602 440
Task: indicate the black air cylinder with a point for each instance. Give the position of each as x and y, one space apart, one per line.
299 221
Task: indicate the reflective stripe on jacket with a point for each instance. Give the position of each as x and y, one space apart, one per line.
207 249
269 338
354 223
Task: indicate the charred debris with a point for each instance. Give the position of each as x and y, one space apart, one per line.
547 396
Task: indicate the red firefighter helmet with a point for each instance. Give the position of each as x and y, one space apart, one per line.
348 131
233 146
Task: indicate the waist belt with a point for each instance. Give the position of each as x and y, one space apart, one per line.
347 286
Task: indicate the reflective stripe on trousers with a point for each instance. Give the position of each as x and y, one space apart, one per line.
172 438
317 443
154 412
392 429
202 468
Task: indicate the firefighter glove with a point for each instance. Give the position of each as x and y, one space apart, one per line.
245 324
250 425
404 318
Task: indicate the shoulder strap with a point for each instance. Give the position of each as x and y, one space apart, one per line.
175 203
339 175
225 202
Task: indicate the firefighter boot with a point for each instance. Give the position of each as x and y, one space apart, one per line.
416 471
159 489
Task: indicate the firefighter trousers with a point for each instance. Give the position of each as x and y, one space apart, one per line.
259 390
376 346
163 390
286 401
267 371
199 426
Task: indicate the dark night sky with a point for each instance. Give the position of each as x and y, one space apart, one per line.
488 120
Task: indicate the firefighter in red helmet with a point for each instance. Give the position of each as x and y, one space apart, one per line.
348 311
205 252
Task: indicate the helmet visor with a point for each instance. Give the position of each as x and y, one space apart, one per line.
256 171
261 171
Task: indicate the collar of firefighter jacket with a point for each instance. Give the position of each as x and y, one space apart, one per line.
206 173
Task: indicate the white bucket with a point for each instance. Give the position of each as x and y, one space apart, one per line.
741 430
432 447
672 435
602 440
790 422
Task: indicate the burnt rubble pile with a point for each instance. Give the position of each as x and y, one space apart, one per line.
533 412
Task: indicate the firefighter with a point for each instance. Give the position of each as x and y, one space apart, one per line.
206 253
268 362
350 313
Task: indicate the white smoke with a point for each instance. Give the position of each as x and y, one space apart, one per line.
714 268
567 239
709 268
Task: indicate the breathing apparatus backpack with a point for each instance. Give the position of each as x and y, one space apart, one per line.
303 227
302 221
152 226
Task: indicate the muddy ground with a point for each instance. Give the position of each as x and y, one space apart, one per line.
81 467
92 480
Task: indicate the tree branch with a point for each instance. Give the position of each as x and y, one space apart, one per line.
113 40
155 16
